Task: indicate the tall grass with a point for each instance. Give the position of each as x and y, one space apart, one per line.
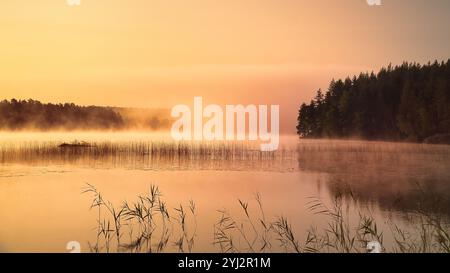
152 227
311 155
150 155
431 232
147 223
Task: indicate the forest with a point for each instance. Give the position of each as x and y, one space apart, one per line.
409 102
32 114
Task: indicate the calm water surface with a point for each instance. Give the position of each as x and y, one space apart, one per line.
42 208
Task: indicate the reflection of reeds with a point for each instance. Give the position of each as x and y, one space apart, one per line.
151 227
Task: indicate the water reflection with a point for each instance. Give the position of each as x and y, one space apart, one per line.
42 208
397 177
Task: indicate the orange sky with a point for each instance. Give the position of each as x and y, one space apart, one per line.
157 53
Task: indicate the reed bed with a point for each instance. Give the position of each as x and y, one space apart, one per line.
311 155
151 226
147 225
150 155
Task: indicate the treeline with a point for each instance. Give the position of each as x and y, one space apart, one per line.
31 114
407 102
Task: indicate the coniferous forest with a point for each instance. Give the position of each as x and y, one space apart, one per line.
408 102
32 114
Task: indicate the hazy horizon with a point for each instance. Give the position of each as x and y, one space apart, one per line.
197 127
154 54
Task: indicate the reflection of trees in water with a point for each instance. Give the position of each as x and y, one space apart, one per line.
405 179
395 194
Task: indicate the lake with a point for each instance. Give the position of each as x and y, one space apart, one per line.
226 190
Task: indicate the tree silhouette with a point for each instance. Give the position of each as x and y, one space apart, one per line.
31 114
406 102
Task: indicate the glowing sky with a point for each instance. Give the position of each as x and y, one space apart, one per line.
157 53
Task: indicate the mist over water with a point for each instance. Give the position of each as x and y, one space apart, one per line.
41 181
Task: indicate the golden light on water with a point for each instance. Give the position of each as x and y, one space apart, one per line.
150 55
